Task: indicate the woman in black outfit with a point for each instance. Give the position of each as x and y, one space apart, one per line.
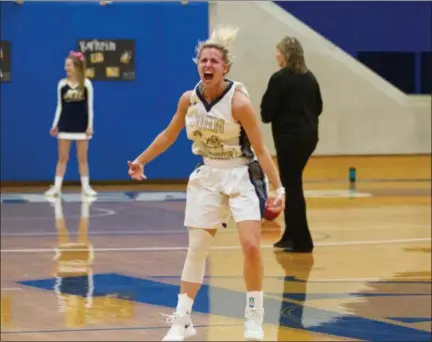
292 103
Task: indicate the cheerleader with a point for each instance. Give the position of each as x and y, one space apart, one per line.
73 121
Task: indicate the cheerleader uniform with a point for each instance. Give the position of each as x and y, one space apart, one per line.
74 114
73 117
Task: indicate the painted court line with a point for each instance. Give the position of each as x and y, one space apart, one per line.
96 233
342 280
176 249
405 280
11 289
372 242
104 213
184 231
108 329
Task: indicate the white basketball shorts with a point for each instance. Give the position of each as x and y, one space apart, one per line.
216 193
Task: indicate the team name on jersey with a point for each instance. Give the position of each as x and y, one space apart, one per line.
209 124
74 95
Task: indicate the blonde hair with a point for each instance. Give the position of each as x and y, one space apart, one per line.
79 63
221 39
293 53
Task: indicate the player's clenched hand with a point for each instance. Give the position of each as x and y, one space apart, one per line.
136 170
278 203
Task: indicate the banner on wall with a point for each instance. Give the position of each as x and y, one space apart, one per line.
5 61
109 60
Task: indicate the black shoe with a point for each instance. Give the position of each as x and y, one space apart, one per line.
283 243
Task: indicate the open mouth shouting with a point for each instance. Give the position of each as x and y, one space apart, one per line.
208 75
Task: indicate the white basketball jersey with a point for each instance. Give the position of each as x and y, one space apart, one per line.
211 127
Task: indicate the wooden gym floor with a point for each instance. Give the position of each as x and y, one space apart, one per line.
369 277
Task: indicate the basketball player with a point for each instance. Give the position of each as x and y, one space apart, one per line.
221 122
73 121
73 266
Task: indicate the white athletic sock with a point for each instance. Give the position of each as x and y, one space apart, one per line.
185 303
254 300
85 182
58 182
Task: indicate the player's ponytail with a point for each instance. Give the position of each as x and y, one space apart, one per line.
224 35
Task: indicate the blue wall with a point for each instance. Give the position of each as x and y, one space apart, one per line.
128 115
370 25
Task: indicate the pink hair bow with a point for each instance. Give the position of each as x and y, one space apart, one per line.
78 55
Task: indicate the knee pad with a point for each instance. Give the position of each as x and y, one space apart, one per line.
199 245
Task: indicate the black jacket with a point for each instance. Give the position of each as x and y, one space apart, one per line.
292 103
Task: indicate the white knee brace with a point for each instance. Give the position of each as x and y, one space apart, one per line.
199 245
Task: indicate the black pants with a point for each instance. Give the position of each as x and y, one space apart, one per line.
292 157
